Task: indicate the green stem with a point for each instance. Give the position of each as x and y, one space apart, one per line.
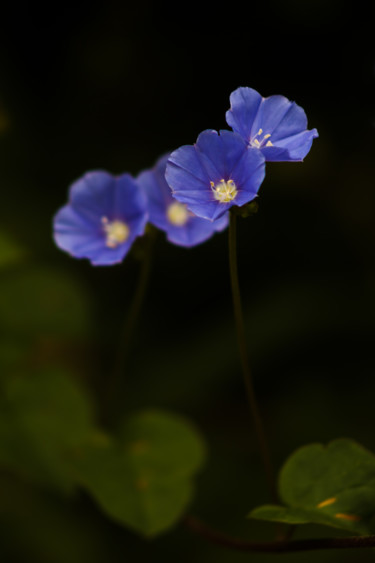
131 321
241 337
277 546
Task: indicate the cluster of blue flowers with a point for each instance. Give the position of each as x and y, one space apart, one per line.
188 193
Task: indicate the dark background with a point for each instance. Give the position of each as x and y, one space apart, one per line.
109 85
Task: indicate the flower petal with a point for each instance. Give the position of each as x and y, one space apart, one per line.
92 193
244 104
158 193
248 175
196 231
278 113
220 152
293 148
74 233
209 210
130 203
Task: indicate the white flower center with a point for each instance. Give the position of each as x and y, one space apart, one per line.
177 214
116 232
224 191
261 142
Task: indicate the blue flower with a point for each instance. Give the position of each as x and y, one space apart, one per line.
274 125
166 213
214 174
102 219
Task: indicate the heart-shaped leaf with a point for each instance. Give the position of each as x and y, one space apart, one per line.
143 479
332 485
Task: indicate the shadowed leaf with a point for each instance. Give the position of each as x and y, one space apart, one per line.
332 485
144 478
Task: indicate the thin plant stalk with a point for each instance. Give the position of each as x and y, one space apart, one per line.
277 546
131 321
246 372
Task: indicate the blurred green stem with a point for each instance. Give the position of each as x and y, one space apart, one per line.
277 546
241 338
131 320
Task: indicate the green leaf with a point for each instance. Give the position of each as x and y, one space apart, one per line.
44 419
332 485
143 479
163 442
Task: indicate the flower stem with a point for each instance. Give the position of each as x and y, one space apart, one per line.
131 321
276 546
241 338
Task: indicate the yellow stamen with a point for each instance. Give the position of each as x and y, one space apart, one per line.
259 143
224 191
116 232
177 214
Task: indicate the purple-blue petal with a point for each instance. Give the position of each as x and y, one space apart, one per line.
185 172
248 175
274 112
212 210
187 159
196 231
293 148
245 104
220 152
75 234
158 193
130 203
99 185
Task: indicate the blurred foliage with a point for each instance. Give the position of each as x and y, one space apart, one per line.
143 479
